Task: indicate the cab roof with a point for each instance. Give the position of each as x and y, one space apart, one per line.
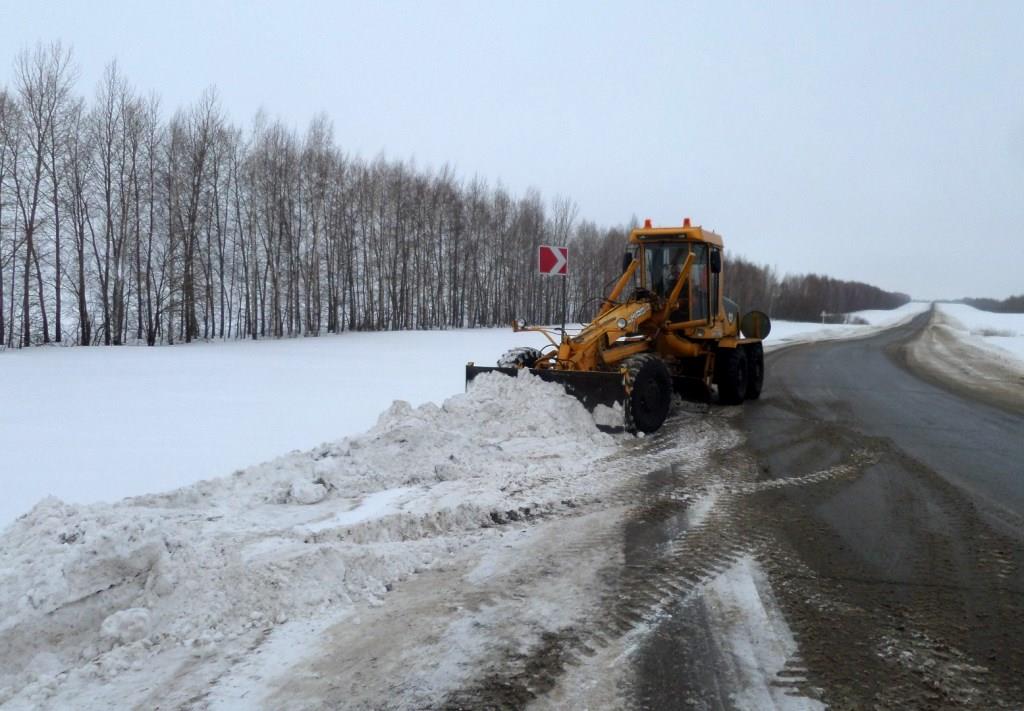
671 234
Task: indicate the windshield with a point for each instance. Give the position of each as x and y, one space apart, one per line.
662 265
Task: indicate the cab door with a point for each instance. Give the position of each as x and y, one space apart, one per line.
700 293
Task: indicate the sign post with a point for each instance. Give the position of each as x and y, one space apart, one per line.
554 261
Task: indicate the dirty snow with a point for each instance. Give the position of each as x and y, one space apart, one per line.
974 352
1001 334
753 634
161 596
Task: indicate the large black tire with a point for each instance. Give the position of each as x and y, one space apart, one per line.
650 393
522 357
731 375
755 370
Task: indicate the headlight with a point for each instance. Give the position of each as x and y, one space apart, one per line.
621 323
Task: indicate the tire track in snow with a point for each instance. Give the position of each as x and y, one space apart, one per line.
691 524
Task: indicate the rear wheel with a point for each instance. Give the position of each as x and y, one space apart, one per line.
755 370
649 393
522 357
731 375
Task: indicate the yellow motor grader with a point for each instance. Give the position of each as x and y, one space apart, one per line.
666 325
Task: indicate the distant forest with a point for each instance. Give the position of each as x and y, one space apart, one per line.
118 225
1009 305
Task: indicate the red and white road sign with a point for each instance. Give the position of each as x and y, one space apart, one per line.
553 260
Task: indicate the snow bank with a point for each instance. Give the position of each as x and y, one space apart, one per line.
785 333
123 600
1000 334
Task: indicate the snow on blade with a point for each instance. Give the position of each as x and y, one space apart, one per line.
154 598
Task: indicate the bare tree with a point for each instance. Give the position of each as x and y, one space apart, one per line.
43 78
76 169
194 228
6 129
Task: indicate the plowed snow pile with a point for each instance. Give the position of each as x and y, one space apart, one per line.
117 604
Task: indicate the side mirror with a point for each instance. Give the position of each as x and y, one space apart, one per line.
716 261
627 259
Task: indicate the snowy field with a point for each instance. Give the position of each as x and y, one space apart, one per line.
90 424
97 424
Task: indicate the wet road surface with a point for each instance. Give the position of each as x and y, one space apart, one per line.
902 579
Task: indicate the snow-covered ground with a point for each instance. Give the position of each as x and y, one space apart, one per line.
159 595
93 424
1002 334
976 352
216 592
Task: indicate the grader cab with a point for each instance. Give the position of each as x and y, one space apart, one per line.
666 325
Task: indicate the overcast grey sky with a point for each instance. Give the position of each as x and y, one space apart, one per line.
882 142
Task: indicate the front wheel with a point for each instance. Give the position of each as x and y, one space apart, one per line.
648 393
731 375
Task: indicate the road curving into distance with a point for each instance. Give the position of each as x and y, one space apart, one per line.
901 579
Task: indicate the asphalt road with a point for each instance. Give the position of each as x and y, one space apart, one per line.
903 579
866 386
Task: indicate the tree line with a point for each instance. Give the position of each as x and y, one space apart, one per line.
118 225
802 297
1009 305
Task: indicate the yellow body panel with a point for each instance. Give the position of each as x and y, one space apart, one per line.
643 323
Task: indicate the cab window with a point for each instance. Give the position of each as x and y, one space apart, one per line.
699 291
663 265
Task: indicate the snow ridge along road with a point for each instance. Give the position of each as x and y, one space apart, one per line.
973 352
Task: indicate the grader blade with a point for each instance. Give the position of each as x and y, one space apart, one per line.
592 388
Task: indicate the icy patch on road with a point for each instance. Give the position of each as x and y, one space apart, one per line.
158 598
754 637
